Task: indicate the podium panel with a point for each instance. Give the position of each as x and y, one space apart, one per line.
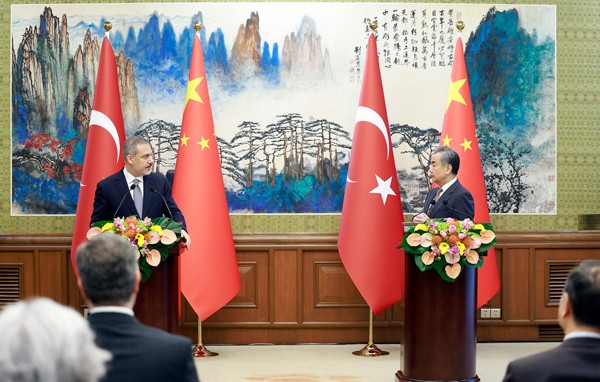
439 326
157 302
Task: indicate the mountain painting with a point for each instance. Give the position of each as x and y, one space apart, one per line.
284 81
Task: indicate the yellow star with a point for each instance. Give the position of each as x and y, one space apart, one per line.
184 140
454 93
466 144
191 93
204 143
447 141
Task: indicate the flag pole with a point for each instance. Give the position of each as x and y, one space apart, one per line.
370 349
200 350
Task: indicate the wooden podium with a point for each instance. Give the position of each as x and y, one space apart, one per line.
439 326
157 302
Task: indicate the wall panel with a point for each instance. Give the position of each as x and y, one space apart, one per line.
294 288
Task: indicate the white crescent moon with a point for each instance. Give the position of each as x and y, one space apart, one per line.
364 114
102 120
350 180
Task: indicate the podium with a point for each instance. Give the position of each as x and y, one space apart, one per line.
157 301
439 326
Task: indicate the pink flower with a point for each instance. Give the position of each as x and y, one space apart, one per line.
452 270
451 258
427 258
452 229
153 257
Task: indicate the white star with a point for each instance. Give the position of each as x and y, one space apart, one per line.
383 188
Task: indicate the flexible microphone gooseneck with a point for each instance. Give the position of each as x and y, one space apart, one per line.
131 188
152 189
455 210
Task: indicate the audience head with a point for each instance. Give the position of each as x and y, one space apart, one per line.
580 304
444 165
108 270
41 340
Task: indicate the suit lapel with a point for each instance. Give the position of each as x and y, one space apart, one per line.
445 196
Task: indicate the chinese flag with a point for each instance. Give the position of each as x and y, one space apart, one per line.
103 150
209 270
458 132
371 222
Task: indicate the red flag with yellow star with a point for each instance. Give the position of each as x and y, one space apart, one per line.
371 223
209 270
458 132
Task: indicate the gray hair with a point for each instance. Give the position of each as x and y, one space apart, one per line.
449 156
107 266
131 144
41 340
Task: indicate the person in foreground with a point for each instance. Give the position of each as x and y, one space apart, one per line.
578 356
117 195
450 199
109 280
43 341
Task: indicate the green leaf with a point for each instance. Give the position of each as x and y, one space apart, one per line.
145 269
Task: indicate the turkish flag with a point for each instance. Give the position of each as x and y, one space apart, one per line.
103 150
209 271
371 223
458 132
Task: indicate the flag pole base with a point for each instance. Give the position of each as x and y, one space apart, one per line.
201 351
370 350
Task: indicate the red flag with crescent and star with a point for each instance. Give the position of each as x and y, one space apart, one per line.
371 223
458 132
103 149
209 271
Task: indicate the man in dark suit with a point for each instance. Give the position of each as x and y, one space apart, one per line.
450 199
578 357
136 190
109 282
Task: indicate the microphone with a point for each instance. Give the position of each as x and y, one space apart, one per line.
152 189
122 200
457 211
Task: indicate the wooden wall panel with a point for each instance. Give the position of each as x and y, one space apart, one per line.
251 305
294 288
518 291
545 309
18 267
52 263
329 294
285 287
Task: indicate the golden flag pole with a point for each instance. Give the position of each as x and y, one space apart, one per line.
200 350
370 349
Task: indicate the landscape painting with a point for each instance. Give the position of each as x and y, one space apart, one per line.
284 81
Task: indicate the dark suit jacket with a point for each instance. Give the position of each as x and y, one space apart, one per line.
142 353
575 360
111 191
456 202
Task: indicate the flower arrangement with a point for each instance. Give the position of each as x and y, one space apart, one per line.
151 237
448 245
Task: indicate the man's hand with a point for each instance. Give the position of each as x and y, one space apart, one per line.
420 218
186 241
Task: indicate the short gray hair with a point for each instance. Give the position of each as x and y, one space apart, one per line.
131 144
449 156
41 340
107 266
